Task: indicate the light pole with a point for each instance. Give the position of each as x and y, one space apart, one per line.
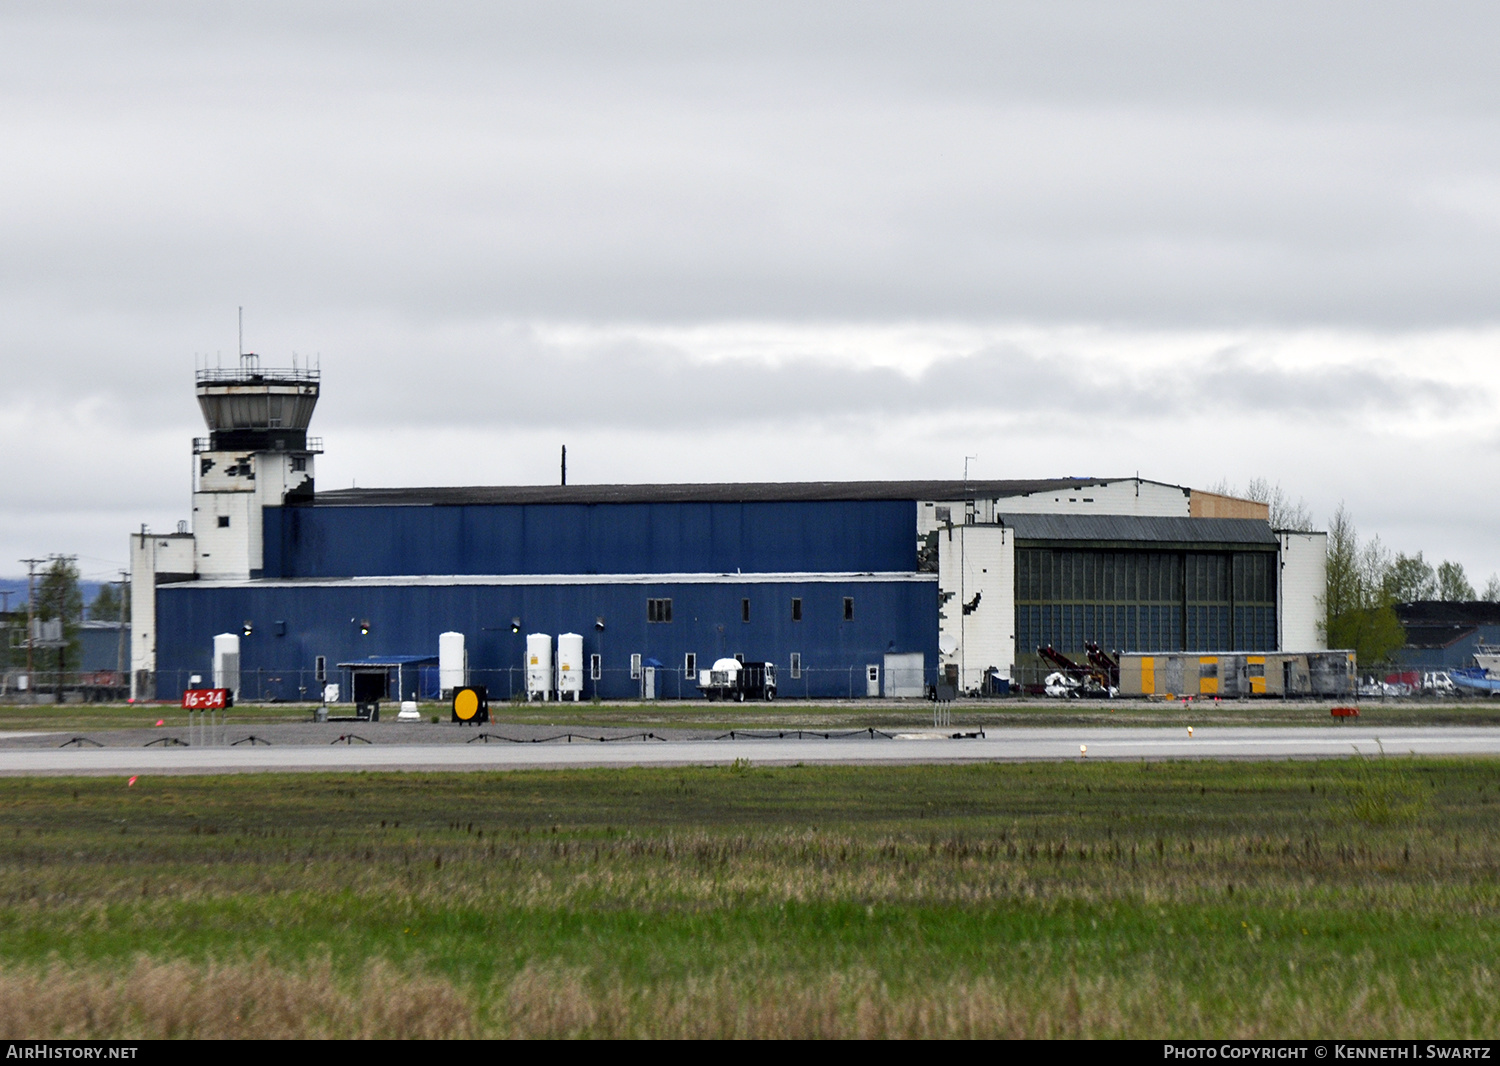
599 681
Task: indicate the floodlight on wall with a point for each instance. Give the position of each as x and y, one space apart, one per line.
515 624
599 623
364 627
249 627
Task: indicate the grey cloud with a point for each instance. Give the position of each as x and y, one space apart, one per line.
1168 164
644 385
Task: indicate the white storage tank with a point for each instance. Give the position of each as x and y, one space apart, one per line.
538 666
453 663
569 665
227 663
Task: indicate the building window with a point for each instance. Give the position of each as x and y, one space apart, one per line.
635 666
796 664
320 668
299 462
690 665
596 668
744 610
223 521
739 657
796 608
659 610
848 608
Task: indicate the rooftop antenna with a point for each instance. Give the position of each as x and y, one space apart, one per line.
565 464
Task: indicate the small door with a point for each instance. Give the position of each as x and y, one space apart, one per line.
872 679
648 683
905 675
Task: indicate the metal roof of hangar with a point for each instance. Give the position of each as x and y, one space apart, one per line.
1098 531
724 492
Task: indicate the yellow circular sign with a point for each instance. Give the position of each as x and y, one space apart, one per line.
466 703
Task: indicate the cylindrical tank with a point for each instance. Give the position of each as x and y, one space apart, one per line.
452 663
570 665
227 663
538 666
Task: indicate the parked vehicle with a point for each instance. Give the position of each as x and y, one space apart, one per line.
1438 683
730 679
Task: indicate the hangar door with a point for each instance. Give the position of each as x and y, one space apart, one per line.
905 675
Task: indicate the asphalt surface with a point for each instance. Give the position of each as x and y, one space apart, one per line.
392 747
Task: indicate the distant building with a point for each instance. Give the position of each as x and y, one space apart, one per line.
1442 635
849 588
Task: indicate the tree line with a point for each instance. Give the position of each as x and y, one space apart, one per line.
1365 578
59 598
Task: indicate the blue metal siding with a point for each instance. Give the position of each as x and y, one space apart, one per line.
897 616
626 538
1457 655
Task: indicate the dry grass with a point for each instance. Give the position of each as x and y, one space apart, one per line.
1186 900
155 1000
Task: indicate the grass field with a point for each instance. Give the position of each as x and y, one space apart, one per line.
827 714
1353 898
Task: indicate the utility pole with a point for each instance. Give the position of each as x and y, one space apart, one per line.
31 565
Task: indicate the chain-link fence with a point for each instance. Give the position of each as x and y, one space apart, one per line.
614 683
67 686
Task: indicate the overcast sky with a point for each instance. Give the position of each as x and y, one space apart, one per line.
760 242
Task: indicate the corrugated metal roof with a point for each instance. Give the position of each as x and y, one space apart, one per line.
1437 636
1449 613
728 492
1133 528
378 661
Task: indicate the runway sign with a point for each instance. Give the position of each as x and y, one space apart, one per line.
471 705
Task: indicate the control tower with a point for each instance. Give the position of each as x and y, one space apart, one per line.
257 454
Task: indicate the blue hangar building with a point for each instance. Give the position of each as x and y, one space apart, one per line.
850 588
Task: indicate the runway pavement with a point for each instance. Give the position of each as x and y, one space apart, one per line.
391 751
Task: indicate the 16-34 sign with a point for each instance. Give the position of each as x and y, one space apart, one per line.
205 699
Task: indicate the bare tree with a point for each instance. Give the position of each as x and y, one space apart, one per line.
1284 514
